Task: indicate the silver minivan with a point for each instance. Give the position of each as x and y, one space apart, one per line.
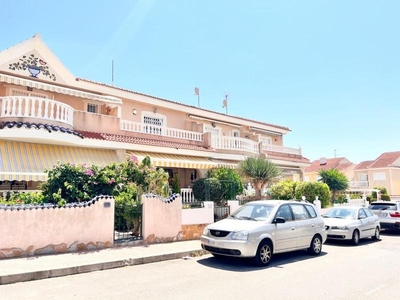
262 228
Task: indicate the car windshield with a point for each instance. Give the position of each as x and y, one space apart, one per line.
340 213
254 212
383 206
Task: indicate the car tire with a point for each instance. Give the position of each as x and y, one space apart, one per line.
264 254
315 245
355 239
377 235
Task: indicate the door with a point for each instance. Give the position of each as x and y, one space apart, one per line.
365 226
285 233
306 226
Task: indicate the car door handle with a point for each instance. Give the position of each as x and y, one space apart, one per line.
292 228
312 225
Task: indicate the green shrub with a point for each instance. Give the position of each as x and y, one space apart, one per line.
230 180
208 189
312 189
385 197
284 190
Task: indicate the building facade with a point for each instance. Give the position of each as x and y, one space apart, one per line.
48 116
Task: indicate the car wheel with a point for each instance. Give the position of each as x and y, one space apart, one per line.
315 246
356 237
377 235
264 254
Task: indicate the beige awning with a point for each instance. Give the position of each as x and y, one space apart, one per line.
28 161
175 161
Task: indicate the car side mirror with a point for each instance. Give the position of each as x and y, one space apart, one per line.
361 217
279 220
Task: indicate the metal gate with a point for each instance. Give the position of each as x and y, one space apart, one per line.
221 212
127 222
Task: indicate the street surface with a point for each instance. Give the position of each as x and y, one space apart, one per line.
342 271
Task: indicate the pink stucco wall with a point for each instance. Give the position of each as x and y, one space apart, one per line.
162 218
57 230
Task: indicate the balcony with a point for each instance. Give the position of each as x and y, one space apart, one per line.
160 130
359 184
36 108
281 149
234 143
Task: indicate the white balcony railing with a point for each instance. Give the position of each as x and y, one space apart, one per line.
33 107
187 195
281 149
234 143
359 184
160 130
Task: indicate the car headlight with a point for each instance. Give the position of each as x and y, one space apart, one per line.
240 235
205 231
340 227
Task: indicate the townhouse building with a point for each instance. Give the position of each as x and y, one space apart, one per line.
48 116
384 171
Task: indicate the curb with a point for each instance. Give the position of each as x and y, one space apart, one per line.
43 274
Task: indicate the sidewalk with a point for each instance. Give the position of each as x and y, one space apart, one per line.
41 267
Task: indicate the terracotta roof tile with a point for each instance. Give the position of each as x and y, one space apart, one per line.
339 163
287 157
385 160
363 165
170 101
140 141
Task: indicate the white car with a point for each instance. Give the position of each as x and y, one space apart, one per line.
388 213
351 223
260 229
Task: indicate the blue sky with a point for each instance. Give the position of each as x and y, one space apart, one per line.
328 70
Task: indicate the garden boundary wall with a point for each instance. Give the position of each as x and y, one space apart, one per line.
31 230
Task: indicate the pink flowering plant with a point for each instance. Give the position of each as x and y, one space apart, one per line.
69 183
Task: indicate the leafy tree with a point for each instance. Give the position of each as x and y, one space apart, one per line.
336 181
230 180
312 189
284 190
261 172
176 189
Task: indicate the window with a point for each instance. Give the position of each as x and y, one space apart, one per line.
362 177
285 212
212 130
381 176
361 213
153 123
235 133
299 211
92 108
368 213
265 140
311 211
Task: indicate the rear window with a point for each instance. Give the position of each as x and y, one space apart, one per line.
383 206
311 211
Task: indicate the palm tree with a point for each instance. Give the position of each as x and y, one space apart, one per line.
260 172
336 181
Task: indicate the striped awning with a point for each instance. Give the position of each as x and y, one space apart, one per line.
230 164
58 89
175 161
28 161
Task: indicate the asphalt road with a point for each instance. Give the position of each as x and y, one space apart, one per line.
367 271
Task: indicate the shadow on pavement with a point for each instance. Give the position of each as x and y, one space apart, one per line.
347 243
236 264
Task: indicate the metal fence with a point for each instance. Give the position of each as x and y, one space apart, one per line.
127 222
221 212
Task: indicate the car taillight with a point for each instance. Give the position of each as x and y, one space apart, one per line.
396 214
